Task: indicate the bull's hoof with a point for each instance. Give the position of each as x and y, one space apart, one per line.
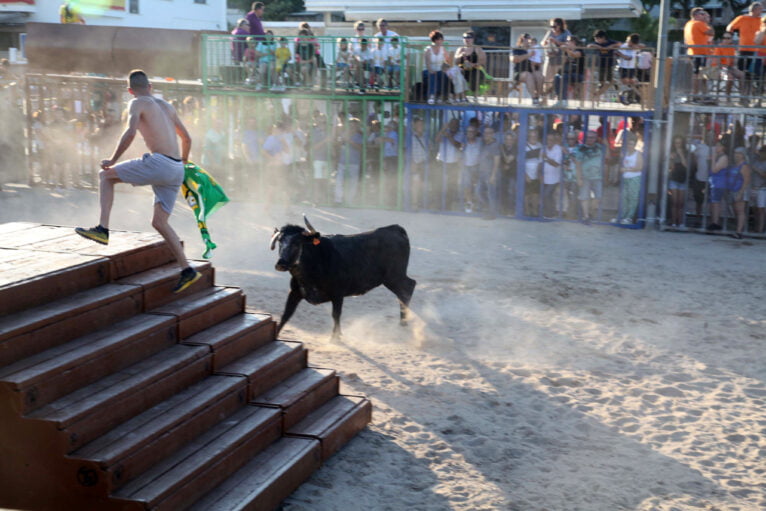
403 322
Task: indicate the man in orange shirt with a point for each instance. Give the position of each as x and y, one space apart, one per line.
698 32
747 25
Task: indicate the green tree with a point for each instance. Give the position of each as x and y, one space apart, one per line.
276 10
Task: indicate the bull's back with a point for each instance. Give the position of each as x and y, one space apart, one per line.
367 260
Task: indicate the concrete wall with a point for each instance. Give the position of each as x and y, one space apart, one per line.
113 51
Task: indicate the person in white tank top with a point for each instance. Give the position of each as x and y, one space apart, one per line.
435 55
631 168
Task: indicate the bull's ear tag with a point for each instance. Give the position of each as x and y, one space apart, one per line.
316 241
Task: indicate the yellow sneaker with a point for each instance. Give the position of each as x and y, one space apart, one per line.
188 277
98 234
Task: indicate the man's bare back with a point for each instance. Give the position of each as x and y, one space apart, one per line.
157 124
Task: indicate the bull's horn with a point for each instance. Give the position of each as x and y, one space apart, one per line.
274 238
308 224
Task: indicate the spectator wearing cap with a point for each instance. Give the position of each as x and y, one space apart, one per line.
747 25
471 59
697 33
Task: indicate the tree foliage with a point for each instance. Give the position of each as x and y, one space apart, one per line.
276 10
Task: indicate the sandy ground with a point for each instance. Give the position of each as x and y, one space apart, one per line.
550 366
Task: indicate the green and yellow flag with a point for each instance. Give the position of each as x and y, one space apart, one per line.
205 196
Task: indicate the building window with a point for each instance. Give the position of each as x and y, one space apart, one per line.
200 1
133 7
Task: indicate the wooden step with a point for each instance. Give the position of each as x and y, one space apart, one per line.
235 337
266 480
34 330
203 309
83 415
23 234
268 365
37 380
128 252
134 446
181 479
300 394
28 280
158 283
335 423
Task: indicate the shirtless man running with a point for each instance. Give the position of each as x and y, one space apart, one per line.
162 168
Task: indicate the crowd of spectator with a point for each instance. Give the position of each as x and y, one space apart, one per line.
361 62
486 163
476 162
725 63
555 70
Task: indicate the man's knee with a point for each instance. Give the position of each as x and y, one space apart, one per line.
160 218
108 175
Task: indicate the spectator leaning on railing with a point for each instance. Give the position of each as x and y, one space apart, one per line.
697 33
552 41
572 71
604 60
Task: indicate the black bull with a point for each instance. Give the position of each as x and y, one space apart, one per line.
329 268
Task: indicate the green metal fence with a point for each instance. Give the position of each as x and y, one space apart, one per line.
326 66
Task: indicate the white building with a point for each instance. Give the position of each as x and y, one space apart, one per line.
206 15
477 10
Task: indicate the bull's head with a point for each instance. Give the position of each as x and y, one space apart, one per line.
291 239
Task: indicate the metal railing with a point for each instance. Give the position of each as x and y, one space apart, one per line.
717 75
322 65
540 77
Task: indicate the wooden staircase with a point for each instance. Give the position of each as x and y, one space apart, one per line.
116 394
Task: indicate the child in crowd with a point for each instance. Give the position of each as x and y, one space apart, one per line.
459 85
343 61
364 58
250 58
394 62
379 61
305 57
283 56
265 53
